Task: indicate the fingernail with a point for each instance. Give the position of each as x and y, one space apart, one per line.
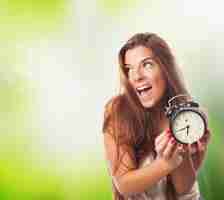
173 141
167 130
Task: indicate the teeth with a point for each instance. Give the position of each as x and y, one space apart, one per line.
143 87
140 90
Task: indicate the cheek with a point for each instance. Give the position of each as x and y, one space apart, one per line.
160 83
131 83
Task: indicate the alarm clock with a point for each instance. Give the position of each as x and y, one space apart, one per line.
187 122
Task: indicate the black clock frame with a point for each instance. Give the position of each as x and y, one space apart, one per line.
179 109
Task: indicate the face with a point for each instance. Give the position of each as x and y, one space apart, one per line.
145 76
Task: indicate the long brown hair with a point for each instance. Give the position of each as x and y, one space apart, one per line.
125 118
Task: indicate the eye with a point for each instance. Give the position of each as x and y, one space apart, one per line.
147 65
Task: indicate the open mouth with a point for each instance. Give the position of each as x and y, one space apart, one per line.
143 90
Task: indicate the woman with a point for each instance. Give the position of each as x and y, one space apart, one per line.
144 161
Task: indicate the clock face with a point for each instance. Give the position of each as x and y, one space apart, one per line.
188 126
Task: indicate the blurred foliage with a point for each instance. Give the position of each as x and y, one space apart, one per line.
22 19
21 178
114 7
211 181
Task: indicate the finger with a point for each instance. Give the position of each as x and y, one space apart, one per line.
185 146
207 133
204 140
192 148
200 146
164 134
181 147
169 148
162 145
206 137
177 152
207 130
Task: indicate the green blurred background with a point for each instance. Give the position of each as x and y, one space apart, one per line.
58 67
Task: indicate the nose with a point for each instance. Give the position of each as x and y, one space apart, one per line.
138 75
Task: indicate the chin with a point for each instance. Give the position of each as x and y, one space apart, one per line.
150 104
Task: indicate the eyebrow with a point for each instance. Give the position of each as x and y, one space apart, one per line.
143 60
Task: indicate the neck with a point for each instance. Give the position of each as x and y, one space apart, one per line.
160 120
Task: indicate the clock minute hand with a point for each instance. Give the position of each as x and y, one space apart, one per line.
182 129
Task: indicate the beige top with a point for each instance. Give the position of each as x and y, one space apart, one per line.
157 192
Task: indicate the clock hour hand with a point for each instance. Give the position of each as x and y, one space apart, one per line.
188 129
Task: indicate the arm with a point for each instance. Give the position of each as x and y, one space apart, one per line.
138 180
198 151
128 179
184 176
191 165
201 148
197 159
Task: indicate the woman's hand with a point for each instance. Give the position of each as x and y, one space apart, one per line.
168 150
198 149
201 145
